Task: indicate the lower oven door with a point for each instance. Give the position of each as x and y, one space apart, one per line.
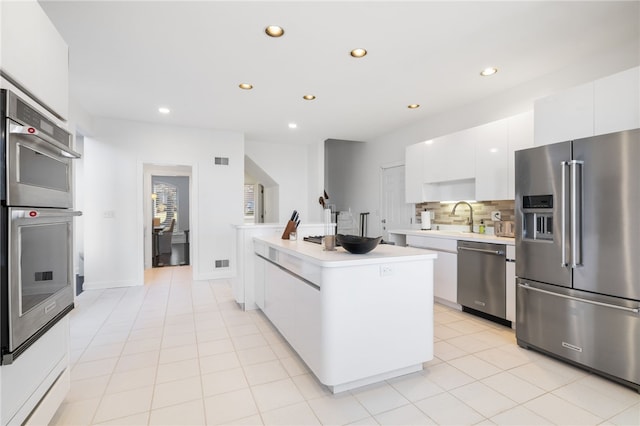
40 275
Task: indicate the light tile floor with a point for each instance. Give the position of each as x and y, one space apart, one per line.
181 352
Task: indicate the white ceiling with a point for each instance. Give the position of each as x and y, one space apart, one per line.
128 58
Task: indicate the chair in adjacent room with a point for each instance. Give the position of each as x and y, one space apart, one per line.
164 237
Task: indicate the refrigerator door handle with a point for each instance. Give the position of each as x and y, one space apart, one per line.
563 215
576 212
526 286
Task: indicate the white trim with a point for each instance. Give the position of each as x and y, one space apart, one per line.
144 172
391 165
99 285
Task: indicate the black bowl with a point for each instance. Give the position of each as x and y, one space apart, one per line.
358 245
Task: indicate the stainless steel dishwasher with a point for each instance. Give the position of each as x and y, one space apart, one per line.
481 278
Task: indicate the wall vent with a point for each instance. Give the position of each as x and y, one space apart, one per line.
222 263
221 161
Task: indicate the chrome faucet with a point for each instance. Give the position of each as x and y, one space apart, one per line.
470 213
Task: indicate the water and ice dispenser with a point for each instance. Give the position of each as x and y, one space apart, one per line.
538 217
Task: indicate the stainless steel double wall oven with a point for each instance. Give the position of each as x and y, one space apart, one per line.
36 225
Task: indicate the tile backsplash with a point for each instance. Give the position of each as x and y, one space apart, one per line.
481 210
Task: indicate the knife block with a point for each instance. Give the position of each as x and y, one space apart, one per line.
291 227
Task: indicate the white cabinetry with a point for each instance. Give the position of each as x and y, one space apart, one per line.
450 158
617 102
413 166
293 306
510 276
607 105
564 116
445 268
520 131
34 55
491 166
476 163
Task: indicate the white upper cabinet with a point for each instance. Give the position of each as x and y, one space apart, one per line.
33 53
492 152
607 105
520 130
617 102
413 166
476 163
450 158
564 116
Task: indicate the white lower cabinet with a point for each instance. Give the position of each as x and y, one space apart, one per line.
259 265
445 267
293 306
510 276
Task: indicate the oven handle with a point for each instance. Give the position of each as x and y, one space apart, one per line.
37 213
65 151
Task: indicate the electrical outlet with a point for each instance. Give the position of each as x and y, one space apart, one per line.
386 270
496 216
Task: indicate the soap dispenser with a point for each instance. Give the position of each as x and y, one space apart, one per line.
482 227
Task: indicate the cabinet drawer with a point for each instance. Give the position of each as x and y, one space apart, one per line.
432 243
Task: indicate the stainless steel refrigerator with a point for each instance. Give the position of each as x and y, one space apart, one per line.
578 249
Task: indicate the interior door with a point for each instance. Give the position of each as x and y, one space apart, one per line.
396 214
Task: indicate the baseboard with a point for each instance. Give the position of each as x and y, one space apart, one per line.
101 285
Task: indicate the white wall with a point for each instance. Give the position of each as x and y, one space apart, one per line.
295 169
363 193
113 186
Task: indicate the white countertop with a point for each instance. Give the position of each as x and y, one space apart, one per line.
456 235
314 253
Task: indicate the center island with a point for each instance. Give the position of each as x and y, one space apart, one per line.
354 319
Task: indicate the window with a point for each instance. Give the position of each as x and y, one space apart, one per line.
249 201
165 203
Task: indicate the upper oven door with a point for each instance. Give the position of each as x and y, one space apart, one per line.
39 173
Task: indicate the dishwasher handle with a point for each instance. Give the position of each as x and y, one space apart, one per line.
495 252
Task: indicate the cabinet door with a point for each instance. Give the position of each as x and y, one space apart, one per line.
445 277
564 116
259 273
510 278
279 299
491 160
445 267
617 102
413 165
34 54
520 130
450 158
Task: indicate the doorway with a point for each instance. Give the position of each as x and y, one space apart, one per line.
167 210
396 213
170 211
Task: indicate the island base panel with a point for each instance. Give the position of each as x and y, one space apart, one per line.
375 379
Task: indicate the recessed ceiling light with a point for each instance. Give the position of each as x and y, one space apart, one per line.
274 31
164 110
358 53
309 97
245 86
488 71
413 106
292 125
493 150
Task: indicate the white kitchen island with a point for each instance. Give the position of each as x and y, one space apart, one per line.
353 319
